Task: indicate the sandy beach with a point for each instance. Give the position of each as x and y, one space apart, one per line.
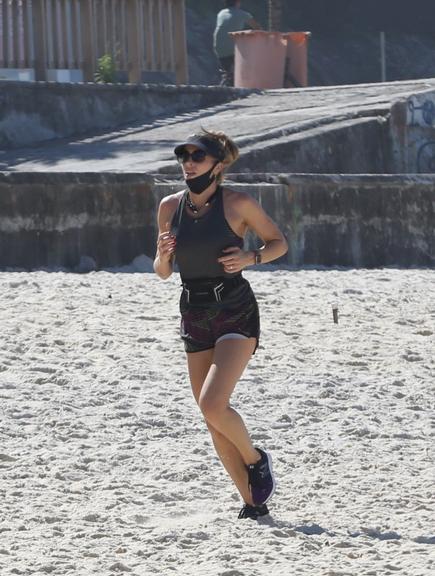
107 467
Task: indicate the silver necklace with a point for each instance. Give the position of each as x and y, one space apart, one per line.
195 209
192 206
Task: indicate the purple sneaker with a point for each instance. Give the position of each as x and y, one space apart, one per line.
253 512
261 480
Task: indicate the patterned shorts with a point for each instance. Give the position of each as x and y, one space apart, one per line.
202 326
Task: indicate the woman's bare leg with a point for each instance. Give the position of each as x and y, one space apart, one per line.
229 361
233 463
199 365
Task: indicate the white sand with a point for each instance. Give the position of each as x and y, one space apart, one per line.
106 465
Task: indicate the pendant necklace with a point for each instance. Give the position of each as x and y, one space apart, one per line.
195 208
192 206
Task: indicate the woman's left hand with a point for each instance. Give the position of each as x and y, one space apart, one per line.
235 260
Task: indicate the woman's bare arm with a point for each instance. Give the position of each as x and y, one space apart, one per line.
166 241
254 218
275 244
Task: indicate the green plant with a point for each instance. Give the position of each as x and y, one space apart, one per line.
106 70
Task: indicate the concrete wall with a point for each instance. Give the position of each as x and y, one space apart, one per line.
356 146
352 146
412 126
352 220
52 220
32 112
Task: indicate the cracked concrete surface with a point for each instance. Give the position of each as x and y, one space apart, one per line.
260 120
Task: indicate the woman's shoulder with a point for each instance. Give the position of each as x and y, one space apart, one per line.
237 197
168 206
172 198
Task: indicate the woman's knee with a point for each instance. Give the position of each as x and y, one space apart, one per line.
212 407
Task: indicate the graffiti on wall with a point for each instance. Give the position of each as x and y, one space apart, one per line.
426 158
423 114
421 132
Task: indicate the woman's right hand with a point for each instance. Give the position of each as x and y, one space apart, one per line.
166 243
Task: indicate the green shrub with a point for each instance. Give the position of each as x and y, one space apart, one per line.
106 70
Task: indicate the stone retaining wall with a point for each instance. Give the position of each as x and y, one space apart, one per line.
353 146
32 112
54 220
351 219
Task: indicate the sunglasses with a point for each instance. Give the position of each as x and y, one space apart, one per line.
196 156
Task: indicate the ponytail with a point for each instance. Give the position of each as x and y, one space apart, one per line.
229 147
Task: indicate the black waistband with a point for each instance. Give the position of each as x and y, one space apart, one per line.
199 282
210 289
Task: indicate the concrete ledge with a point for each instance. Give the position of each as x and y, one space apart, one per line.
352 145
33 112
53 220
358 145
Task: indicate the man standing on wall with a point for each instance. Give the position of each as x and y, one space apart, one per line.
231 19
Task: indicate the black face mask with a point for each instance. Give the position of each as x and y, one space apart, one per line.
200 183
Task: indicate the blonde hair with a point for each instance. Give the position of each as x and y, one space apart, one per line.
229 147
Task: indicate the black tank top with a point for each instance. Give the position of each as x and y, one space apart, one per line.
200 240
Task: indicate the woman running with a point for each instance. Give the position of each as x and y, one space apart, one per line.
203 228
